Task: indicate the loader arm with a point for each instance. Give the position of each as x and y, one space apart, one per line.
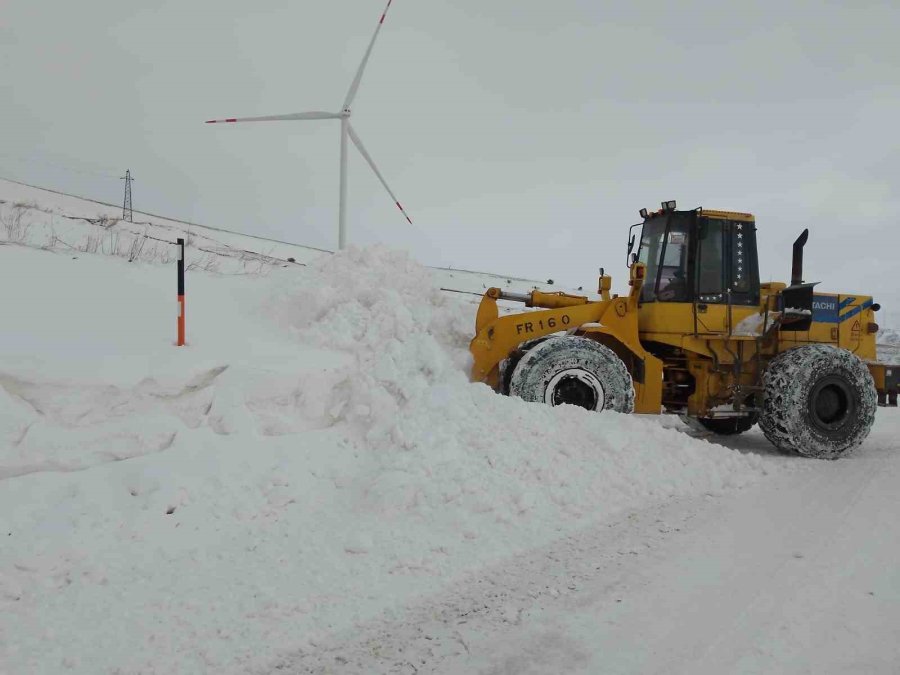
497 337
612 321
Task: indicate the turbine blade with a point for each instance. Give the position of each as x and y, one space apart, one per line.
368 158
354 86
316 115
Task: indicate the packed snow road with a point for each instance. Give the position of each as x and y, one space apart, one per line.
794 575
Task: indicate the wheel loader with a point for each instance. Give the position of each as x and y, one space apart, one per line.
699 336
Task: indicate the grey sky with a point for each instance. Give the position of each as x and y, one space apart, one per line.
522 136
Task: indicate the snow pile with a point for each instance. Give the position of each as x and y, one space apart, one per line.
315 456
404 334
752 326
407 395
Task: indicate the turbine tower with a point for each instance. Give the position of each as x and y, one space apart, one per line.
346 131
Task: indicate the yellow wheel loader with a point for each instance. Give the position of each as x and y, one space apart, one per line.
698 336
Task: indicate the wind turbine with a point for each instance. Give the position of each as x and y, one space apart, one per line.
346 131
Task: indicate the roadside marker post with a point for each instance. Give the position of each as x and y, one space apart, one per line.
180 342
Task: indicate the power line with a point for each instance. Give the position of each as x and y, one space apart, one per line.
56 165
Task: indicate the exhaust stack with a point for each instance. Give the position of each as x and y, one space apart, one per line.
797 265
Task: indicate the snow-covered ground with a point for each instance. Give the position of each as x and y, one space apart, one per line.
796 574
312 484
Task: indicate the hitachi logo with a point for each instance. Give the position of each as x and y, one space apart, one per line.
824 304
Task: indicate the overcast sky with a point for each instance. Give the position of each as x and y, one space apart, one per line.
522 136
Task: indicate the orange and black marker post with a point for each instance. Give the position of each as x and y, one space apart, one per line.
180 292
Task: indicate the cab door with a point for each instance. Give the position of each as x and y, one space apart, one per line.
725 273
709 275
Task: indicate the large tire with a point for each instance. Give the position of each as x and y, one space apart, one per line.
576 371
508 365
819 401
722 426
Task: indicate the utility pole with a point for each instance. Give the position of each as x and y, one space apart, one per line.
180 245
127 213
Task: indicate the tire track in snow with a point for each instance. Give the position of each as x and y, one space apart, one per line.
826 569
723 597
693 585
437 635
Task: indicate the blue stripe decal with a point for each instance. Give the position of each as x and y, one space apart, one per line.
825 309
847 301
856 310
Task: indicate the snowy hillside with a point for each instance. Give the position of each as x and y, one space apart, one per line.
312 462
52 220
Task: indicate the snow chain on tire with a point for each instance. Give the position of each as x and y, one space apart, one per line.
574 370
508 365
819 401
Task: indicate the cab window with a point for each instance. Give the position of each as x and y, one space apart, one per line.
664 250
652 237
710 261
672 285
726 261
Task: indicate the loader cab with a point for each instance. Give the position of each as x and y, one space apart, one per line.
699 257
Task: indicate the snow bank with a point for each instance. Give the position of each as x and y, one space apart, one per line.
407 396
404 335
315 457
